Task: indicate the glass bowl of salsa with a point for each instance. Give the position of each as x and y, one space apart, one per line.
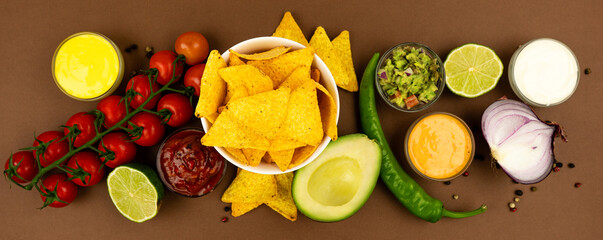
188 168
410 77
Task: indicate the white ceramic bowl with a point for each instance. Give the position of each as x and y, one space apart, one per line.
260 44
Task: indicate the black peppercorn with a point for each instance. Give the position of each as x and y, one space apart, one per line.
518 192
447 182
587 71
571 165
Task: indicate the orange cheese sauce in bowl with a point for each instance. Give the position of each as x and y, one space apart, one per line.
439 146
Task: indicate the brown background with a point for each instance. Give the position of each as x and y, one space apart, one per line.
30 102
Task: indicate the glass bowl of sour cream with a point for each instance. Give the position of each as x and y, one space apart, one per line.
544 72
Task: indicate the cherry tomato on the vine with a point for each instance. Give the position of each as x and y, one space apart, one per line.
163 61
66 190
85 123
192 77
193 46
180 107
152 131
28 168
113 110
56 150
120 145
140 84
89 162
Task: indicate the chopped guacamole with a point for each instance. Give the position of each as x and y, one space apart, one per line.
409 77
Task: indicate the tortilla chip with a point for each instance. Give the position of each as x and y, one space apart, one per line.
248 187
315 74
213 88
234 60
328 112
280 143
342 47
303 123
301 154
272 53
254 156
239 209
325 50
267 159
212 117
227 132
262 113
282 158
243 81
279 68
238 154
283 203
297 78
289 29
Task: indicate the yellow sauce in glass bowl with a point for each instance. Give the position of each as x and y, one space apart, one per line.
87 66
439 146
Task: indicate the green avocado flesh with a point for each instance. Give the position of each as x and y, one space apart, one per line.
337 184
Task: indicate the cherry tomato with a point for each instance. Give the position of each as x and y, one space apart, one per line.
120 145
140 84
153 130
89 162
180 107
163 61
56 150
192 77
28 168
193 46
66 190
85 123
113 110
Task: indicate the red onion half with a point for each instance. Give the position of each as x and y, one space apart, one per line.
521 143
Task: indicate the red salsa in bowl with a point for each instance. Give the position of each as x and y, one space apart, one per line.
186 166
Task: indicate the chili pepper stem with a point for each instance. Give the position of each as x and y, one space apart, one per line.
452 214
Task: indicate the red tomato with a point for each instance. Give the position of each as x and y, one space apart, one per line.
85 123
140 84
120 145
28 168
180 107
56 150
66 190
89 162
163 61
113 110
152 131
192 77
193 46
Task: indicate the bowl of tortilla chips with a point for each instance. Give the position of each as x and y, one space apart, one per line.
269 105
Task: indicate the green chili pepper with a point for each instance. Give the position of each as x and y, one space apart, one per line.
408 192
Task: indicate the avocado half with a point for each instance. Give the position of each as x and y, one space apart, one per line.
339 181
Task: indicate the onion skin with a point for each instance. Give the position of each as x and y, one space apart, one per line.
519 140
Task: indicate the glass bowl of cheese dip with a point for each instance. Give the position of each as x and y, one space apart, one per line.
544 72
439 146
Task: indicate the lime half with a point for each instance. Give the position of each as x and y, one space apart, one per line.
136 191
472 70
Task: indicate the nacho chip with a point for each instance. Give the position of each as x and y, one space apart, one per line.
272 53
328 112
342 47
254 156
213 88
297 78
227 132
282 158
267 159
238 154
239 209
289 29
212 117
248 187
301 154
262 113
303 122
279 68
325 50
234 60
243 81
315 74
280 143
283 203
